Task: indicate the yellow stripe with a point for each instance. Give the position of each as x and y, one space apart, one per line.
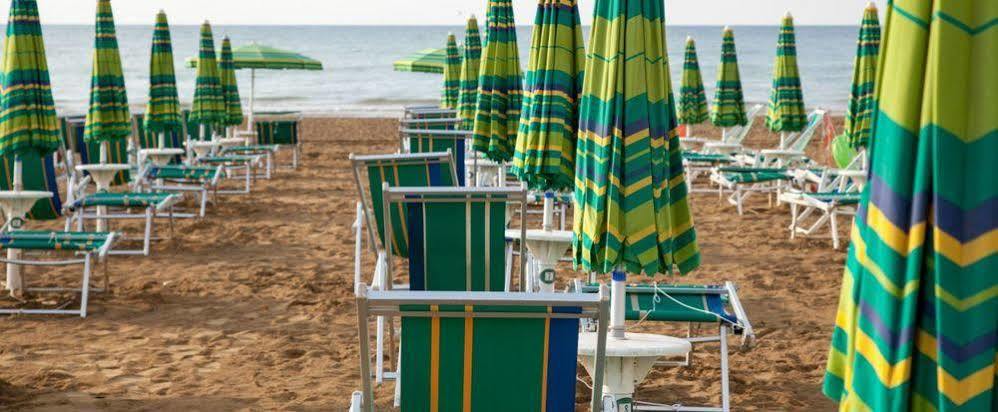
970 302
469 340
434 361
877 272
966 254
889 375
544 367
902 242
959 391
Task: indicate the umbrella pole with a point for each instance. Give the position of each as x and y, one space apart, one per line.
162 140
101 210
548 211
617 291
249 123
783 140
14 281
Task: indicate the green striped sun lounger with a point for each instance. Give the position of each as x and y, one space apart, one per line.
743 181
821 209
236 166
202 180
118 207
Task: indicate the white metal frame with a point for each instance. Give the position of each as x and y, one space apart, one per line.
206 189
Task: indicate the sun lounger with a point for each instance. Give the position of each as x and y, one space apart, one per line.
231 163
267 151
837 194
427 112
742 182
714 153
201 180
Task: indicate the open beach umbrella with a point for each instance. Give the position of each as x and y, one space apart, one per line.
468 95
917 324
545 143
859 113
786 100
500 86
208 108
729 101
230 88
692 98
423 61
163 109
452 75
108 118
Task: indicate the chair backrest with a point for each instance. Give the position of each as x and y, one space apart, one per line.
428 112
457 236
117 153
279 128
37 174
372 172
737 134
422 140
487 351
800 141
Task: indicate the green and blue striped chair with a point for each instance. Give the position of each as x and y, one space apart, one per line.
430 137
282 129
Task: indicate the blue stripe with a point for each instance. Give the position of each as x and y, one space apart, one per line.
716 306
417 269
563 345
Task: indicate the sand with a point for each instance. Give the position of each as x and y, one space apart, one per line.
252 308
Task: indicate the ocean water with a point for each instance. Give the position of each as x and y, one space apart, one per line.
358 78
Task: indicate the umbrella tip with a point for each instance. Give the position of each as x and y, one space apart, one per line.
789 15
871 5
689 38
727 28
473 16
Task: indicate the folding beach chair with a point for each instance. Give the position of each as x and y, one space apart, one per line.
267 151
202 181
235 167
731 140
427 112
713 154
281 129
429 140
837 194
791 149
484 351
696 306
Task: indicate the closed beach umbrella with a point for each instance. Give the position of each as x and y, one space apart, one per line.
692 99
786 100
452 75
859 113
108 119
545 144
500 86
230 88
163 109
208 108
729 102
468 95
917 325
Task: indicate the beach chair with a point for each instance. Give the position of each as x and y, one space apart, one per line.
268 151
427 112
837 194
713 154
731 140
695 306
484 351
791 149
281 129
429 140
235 167
202 181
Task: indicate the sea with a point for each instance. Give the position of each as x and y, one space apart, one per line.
358 78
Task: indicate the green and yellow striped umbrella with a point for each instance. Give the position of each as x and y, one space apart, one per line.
208 108
859 113
29 122
692 98
786 99
108 118
631 208
545 143
729 102
917 325
230 88
468 96
452 75
500 86
163 109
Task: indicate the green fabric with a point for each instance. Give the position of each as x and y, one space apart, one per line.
468 96
44 240
707 158
122 199
178 172
423 61
162 113
228 159
36 177
692 98
209 102
500 88
859 112
631 206
271 132
258 56
729 102
755 177
464 257
452 75
230 88
840 198
28 122
150 140
430 142
786 99
649 302
194 130
108 119
842 151
545 143
917 324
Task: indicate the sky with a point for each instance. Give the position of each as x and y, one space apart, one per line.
432 12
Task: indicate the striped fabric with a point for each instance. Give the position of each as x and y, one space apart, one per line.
108 118
163 109
631 207
545 144
230 88
500 86
468 96
692 98
423 61
786 100
452 75
258 56
917 326
47 240
209 103
28 121
859 113
729 102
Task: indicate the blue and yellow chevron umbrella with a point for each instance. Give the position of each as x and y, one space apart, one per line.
545 144
786 99
108 118
631 208
230 87
859 113
917 325
692 98
208 108
500 86
452 75
468 95
163 109
29 122
729 101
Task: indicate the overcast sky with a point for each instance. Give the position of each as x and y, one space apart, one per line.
432 12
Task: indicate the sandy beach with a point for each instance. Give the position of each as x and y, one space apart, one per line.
252 308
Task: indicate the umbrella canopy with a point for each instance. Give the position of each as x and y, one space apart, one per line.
729 102
468 95
692 99
859 113
545 144
452 75
918 313
786 100
423 61
230 88
108 118
500 86
209 103
258 56
163 109
29 122
631 208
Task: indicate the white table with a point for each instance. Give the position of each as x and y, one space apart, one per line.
628 361
103 174
161 157
16 204
230 141
204 148
546 247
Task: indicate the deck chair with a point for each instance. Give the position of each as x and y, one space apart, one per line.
713 154
281 129
423 140
427 112
791 149
693 305
837 194
731 141
148 140
484 351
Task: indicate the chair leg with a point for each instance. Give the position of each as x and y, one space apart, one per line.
85 290
725 389
835 230
148 232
